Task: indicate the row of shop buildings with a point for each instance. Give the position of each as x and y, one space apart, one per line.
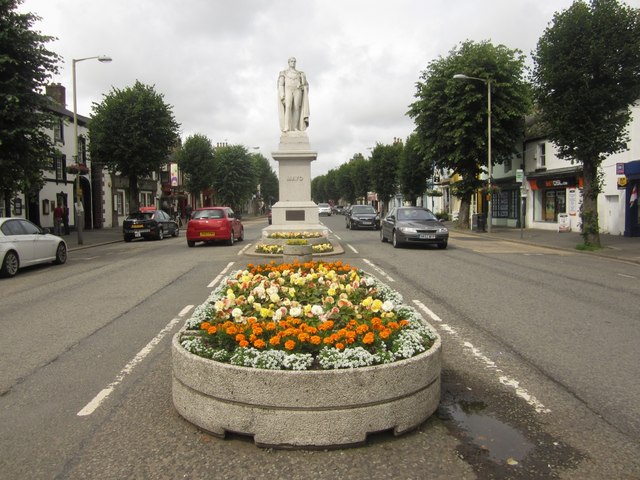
538 190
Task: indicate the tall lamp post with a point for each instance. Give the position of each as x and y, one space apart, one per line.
79 209
487 81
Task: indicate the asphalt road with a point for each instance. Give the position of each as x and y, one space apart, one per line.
540 374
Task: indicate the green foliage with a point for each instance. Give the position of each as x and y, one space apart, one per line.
587 75
266 177
133 132
413 170
451 114
384 169
360 176
234 180
195 159
25 68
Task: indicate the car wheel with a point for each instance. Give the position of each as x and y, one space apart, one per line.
394 240
232 239
382 238
10 264
191 243
442 245
241 237
61 254
128 238
176 232
160 234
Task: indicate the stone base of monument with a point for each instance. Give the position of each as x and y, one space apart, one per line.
297 253
306 409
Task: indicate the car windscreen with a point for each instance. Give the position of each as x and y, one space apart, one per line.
415 214
140 216
208 214
363 209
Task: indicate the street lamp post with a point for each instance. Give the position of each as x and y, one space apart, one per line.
79 209
488 82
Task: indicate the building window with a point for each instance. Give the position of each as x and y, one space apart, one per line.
82 149
58 130
60 167
119 199
541 160
145 199
505 204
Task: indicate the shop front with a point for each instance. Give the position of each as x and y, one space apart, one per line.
554 196
632 211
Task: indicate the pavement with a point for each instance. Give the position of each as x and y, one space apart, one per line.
613 246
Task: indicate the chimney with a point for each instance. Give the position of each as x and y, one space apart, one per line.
58 93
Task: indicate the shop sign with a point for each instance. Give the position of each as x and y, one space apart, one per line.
619 168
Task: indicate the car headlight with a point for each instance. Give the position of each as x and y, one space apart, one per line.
443 230
408 230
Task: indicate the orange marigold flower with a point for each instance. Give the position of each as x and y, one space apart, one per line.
257 330
340 346
327 340
376 321
231 330
205 326
315 340
259 343
384 334
290 345
240 337
303 337
274 341
243 344
364 328
368 338
404 323
212 330
270 326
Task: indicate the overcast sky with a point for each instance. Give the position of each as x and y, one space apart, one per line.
216 61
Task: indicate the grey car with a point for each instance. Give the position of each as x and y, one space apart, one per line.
413 225
362 216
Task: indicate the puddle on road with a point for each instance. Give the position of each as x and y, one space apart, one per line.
503 443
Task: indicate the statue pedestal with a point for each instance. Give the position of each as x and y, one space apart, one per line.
295 211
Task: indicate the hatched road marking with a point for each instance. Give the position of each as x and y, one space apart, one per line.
494 246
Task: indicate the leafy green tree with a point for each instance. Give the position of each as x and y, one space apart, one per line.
331 187
266 177
360 176
133 132
318 192
413 170
25 68
451 114
234 180
587 75
195 159
384 170
345 183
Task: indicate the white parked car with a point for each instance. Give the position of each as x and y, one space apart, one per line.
324 209
23 243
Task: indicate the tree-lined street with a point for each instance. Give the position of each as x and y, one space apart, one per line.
539 376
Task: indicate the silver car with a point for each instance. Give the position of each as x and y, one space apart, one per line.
324 209
413 225
23 243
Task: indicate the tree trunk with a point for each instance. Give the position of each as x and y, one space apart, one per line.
7 202
589 213
463 214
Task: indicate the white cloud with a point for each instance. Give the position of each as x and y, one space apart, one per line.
217 62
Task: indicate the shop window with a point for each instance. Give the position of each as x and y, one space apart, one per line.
553 203
505 204
145 199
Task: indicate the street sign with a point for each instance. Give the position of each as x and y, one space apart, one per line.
519 175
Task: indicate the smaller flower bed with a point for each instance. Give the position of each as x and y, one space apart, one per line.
314 315
286 235
278 249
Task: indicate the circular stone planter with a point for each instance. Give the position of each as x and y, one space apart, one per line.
312 408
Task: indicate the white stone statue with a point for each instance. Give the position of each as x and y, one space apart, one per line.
293 96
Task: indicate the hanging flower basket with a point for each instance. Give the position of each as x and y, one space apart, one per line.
78 168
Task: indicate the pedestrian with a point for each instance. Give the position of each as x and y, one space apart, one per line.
187 213
58 214
65 219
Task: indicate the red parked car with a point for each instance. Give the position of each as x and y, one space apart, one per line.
214 224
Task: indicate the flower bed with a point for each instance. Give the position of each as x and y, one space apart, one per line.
305 355
305 316
277 249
